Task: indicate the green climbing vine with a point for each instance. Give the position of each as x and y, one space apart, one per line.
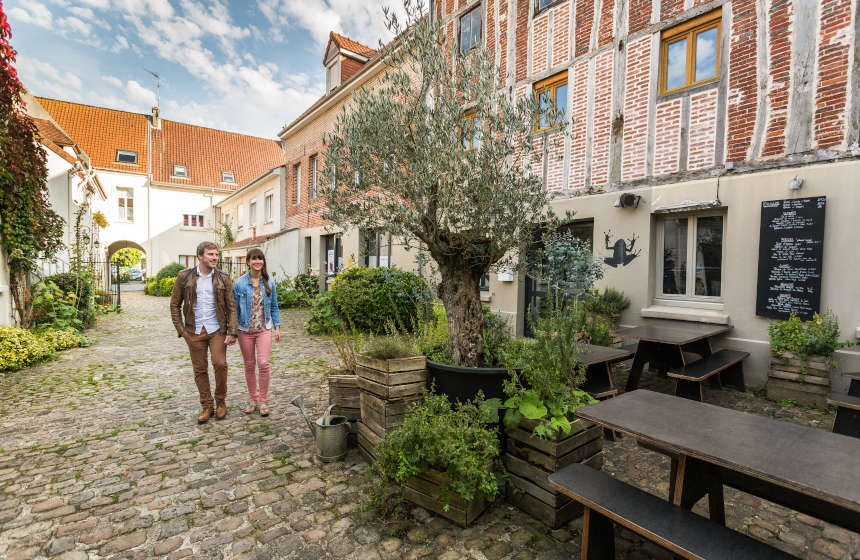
29 228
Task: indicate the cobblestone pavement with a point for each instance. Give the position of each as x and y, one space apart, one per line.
101 457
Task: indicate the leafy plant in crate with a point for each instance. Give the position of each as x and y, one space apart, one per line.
444 457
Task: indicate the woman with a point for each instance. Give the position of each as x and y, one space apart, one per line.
257 314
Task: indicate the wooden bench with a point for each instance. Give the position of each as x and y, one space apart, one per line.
847 420
631 347
727 363
684 533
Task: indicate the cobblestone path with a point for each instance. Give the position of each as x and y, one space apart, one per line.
101 457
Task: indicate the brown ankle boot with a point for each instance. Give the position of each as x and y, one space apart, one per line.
220 411
205 415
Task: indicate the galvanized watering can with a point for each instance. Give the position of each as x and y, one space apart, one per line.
329 431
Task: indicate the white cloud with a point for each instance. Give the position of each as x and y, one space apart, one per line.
120 45
139 95
112 80
43 78
82 12
100 4
33 13
75 25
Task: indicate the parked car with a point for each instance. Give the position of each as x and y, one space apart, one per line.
136 275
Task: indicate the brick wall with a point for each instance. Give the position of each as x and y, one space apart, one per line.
539 43
668 137
670 8
604 31
584 21
702 130
503 37
602 119
742 101
638 15
779 45
636 97
348 67
578 80
561 34
522 39
836 38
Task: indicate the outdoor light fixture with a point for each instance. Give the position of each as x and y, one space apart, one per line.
628 200
795 183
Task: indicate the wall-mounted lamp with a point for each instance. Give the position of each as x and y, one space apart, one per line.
628 200
795 184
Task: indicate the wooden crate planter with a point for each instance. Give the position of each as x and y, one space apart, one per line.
530 461
392 379
367 441
381 415
806 383
421 490
343 393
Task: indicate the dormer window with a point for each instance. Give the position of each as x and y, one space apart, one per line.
228 177
126 156
332 74
180 171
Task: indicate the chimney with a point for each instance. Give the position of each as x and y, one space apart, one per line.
156 121
253 233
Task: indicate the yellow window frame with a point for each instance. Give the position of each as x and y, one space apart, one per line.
468 124
688 30
550 84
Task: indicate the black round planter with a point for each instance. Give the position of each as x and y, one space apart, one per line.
462 383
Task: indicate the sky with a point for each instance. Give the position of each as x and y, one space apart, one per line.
247 66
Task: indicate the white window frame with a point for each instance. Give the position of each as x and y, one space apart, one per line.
122 209
252 213
180 171
268 204
127 152
232 177
689 299
239 222
297 176
190 214
333 74
314 191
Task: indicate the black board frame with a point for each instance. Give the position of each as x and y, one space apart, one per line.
813 208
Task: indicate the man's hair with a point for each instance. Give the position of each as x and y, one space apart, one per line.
205 245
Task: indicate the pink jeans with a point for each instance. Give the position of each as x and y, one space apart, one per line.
258 356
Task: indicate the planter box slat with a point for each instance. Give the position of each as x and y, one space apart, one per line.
555 463
350 413
805 381
343 391
546 514
380 415
560 447
799 377
390 392
367 441
394 365
396 378
817 363
525 485
420 490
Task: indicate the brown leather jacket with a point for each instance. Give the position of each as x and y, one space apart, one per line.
185 296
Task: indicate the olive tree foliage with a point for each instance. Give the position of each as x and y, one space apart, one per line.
396 155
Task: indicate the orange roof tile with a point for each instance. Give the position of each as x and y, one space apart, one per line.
100 132
205 152
48 131
351 45
248 241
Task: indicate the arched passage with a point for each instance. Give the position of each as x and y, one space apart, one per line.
137 281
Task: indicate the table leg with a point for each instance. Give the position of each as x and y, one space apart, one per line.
598 536
693 480
643 356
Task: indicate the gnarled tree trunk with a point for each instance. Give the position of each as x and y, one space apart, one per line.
460 293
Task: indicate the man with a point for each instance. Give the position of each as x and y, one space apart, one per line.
207 321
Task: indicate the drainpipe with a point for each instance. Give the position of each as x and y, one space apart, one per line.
148 205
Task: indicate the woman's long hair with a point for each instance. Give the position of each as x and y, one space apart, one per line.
255 253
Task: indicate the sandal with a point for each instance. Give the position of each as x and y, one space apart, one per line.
264 410
251 407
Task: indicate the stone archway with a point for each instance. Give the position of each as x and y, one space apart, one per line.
123 244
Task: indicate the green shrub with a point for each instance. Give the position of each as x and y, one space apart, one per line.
82 287
371 299
324 319
817 337
52 308
171 270
389 347
20 348
62 339
456 441
308 285
151 287
165 286
125 276
608 302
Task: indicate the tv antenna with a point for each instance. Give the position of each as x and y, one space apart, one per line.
157 87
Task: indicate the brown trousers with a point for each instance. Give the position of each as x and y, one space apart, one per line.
198 344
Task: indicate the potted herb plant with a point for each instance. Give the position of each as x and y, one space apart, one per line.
801 358
443 457
543 433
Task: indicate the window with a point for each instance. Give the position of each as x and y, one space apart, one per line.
689 53
125 205
126 156
180 171
267 208
541 4
297 175
228 177
470 133
484 284
308 254
690 265
376 248
332 75
187 261
313 177
357 177
240 218
552 101
470 30
252 214
192 220
333 177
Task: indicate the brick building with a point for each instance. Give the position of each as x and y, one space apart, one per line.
702 110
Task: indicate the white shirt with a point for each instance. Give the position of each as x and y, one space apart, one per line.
204 308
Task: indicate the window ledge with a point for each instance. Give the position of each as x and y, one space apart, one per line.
686 314
485 296
192 228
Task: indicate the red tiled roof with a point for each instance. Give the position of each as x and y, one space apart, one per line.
49 131
100 132
205 152
248 241
351 45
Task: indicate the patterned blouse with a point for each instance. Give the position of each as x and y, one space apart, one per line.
258 317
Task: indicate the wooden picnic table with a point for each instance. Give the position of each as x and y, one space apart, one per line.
662 345
808 470
598 362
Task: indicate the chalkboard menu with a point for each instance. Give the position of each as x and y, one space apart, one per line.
791 244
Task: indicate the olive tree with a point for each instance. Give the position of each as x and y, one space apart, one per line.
438 152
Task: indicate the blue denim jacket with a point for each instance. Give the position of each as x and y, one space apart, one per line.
243 292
